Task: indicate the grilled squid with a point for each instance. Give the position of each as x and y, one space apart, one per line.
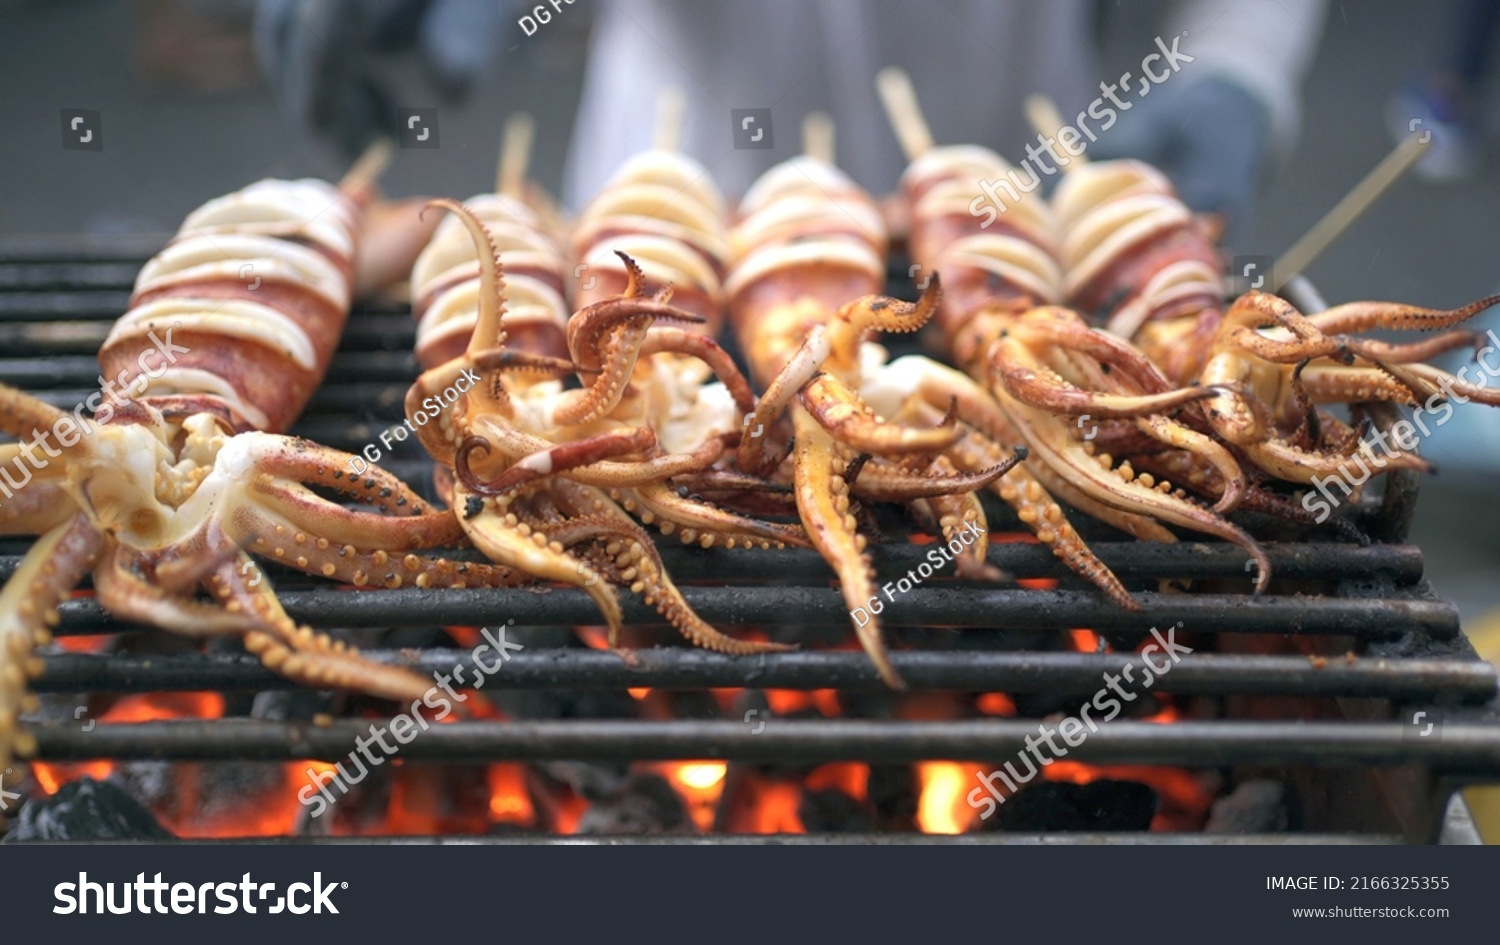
809 259
1050 380
544 476
1139 262
446 283
181 472
663 211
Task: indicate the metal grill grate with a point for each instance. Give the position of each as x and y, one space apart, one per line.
1362 638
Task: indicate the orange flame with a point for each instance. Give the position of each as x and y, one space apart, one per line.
510 803
699 783
942 808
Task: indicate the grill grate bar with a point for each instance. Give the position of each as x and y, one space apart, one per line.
1399 564
1461 746
994 609
680 668
70 375
80 252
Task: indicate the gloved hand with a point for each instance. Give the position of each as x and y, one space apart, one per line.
1208 136
332 63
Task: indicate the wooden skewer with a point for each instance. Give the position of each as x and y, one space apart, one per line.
1346 211
818 136
365 171
1047 121
904 112
670 105
515 154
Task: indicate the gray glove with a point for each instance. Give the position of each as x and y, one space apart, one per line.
1209 137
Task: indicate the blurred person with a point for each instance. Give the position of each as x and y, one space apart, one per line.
1223 106
339 67
1446 100
335 66
1468 443
972 62
192 47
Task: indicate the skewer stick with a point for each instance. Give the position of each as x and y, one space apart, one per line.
818 136
1047 121
515 154
904 112
365 171
1346 211
670 105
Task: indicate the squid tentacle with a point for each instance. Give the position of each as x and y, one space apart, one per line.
823 499
840 410
28 609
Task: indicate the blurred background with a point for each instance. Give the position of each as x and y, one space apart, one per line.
188 111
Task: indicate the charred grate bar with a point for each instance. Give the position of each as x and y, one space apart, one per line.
1467 681
996 610
1464 747
1398 565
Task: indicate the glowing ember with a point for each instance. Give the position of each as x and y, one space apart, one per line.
595 638
702 776
1085 641
776 809
700 783
466 637
792 701
996 703
942 808
509 801
852 778
53 776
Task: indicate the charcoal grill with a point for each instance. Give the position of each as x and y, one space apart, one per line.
1365 644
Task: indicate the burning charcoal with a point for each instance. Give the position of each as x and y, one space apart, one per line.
588 779
646 805
232 789
543 638
1258 806
153 783
563 704
893 793
284 704
1041 705
1010 640
361 808
1061 805
833 812
873 704
696 704
201 793
86 810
